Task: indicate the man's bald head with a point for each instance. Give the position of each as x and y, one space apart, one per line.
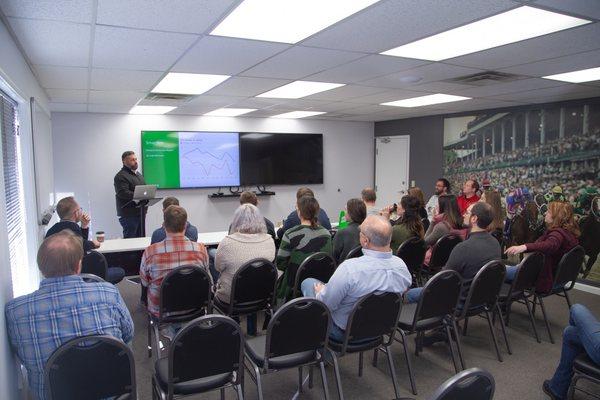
378 230
60 254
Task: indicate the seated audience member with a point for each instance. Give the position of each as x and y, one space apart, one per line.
582 335
560 237
442 186
293 219
162 257
408 224
300 242
469 256
448 219
191 232
418 193
370 197
247 197
378 270
493 199
70 214
348 238
469 195
63 308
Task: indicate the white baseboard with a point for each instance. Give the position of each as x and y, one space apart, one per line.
587 288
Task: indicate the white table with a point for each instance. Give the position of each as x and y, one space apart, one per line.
137 244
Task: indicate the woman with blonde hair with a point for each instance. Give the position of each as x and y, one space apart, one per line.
418 193
493 199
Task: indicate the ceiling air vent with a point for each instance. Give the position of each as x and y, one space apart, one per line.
166 99
485 78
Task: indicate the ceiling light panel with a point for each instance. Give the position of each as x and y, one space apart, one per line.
146 110
286 21
508 27
180 83
298 89
298 114
230 112
437 98
584 75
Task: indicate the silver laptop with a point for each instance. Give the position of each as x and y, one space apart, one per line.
144 192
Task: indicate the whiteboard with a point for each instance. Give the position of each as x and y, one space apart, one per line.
392 155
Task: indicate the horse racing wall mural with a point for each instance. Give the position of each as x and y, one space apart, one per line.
532 157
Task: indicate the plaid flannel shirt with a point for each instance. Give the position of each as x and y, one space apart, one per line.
162 257
62 309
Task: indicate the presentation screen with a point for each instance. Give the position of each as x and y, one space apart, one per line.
176 159
281 159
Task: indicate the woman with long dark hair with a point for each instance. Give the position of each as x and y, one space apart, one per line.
446 220
348 238
408 224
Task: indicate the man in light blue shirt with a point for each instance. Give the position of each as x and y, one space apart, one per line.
378 270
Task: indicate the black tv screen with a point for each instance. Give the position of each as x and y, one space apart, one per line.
281 158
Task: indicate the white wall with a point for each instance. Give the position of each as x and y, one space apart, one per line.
88 147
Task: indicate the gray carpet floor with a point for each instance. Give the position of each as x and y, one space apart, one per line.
520 376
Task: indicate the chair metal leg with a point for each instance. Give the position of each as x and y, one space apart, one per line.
464 332
489 320
458 345
300 379
504 331
360 363
408 364
222 393
157 339
324 380
239 392
451 345
546 319
375 358
258 383
338 379
310 376
537 337
149 338
392 371
567 298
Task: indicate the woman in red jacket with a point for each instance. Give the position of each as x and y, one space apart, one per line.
560 237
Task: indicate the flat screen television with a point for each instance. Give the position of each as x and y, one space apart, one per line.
281 158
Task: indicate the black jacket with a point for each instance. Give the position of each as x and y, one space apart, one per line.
79 231
125 182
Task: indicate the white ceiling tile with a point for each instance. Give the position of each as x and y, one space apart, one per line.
62 77
365 68
256 102
392 23
439 87
429 73
265 113
58 10
116 97
475 104
300 61
218 101
508 87
302 104
564 92
230 56
246 86
345 92
67 107
584 8
190 16
193 110
53 42
383 97
138 49
371 109
120 79
67 96
109 108
558 65
570 41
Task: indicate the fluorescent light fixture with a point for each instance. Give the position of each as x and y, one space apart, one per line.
584 75
180 83
437 98
286 21
298 89
508 27
151 109
298 114
230 112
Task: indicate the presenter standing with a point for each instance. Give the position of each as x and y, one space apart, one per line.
125 182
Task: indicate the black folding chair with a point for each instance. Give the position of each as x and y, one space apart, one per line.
91 368
373 317
91 278
320 266
297 336
185 294
252 290
482 300
434 310
206 355
354 253
471 384
412 252
426 223
94 263
522 288
440 253
567 272
586 369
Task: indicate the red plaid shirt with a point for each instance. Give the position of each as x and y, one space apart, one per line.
162 257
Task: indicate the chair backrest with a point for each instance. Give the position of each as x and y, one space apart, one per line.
485 287
207 346
373 315
91 278
439 296
426 223
299 325
472 384
354 253
569 266
319 265
185 290
90 367
94 263
253 285
412 252
527 273
442 249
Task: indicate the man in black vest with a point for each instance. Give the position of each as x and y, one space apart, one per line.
125 182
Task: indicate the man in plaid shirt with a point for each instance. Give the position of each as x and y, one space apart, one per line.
162 257
63 308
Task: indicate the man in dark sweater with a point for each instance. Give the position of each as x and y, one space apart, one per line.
125 182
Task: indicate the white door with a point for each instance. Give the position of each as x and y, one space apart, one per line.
391 168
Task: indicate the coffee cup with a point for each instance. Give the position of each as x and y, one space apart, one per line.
100 236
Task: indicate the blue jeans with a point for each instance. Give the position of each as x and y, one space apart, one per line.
414 295
308 290
131 227
582 335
